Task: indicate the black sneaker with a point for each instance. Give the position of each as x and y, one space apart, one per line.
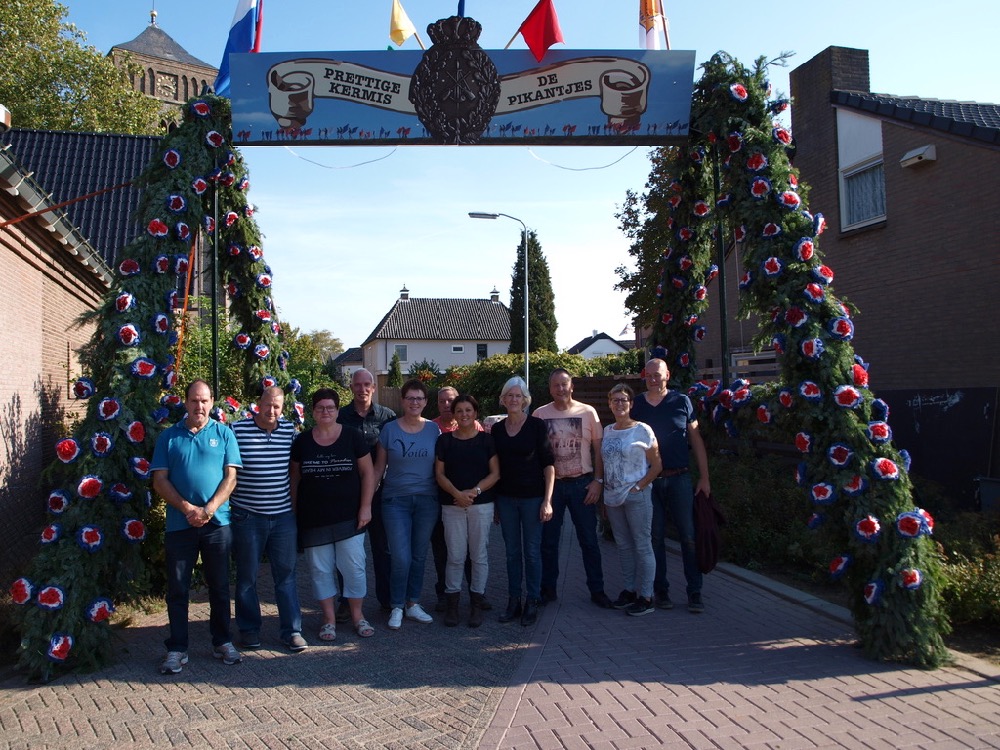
663 600
641 606
624 600
547 594
694 604
601 600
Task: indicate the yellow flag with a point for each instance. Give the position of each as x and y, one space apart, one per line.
401 27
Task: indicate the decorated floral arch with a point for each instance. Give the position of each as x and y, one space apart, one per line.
735 175
90 556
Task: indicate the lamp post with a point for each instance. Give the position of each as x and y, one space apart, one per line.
524 238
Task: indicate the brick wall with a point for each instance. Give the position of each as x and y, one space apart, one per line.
44 290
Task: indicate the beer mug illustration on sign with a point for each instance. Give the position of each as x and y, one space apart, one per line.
291 98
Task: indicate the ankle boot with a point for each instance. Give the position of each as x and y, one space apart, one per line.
476 613
513 609
451 609
530 613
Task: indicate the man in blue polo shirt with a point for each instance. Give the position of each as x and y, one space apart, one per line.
672 418
194 471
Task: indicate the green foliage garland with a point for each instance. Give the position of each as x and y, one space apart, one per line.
91 556
736 174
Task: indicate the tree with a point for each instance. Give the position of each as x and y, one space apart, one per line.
542 306
395 379
53 81
329 346
307 360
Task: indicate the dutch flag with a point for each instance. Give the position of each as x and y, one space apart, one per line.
244 36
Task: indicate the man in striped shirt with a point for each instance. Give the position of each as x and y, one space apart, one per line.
263 521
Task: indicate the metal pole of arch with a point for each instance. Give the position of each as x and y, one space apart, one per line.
524 240
215 299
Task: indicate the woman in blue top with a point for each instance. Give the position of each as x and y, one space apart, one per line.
410 508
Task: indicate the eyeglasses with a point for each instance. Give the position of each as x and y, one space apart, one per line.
620 400
325 408
415 399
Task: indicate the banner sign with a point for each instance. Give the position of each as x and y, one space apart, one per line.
440 96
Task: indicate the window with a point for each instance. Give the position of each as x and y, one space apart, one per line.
457 349
862 193
480 352
400 350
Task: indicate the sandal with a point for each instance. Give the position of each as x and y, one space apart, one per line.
328 632
364 629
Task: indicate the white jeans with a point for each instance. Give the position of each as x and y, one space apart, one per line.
467 533
347 556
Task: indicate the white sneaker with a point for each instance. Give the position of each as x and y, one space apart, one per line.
395 618
416 612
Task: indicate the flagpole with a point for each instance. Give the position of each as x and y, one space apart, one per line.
666 25
419 40
512 39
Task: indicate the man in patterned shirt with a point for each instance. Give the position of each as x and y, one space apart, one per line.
263 521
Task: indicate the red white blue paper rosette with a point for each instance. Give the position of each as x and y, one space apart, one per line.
90 487
129 335
90 538
108 408
101 443
120 492
868 529
84 388
785 398
124 302
804 249
143 367
814 292
812 348
839 454
57 502
172 158
67 450
823 493
51 533
140 467
796 317
261 351
842 328
885 468
911 578
100 609
879 432
855 486
129 267
810 391
873 592
22 591
51 598
133 529
60 645
803 442
847 396
839 565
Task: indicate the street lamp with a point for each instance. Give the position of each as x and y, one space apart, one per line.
524 237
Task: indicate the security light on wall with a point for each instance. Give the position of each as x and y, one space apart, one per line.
918 156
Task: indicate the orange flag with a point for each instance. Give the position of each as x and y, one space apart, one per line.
541 29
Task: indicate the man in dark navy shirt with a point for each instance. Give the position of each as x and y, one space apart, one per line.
672 418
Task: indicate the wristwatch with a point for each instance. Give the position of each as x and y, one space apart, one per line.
478 491
599 481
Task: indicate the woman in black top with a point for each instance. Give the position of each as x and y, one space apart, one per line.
332 482
466 468
524 496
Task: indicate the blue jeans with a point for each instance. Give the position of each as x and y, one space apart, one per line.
255 534
631 522
522 537
676 495
182 548
569 493
409 521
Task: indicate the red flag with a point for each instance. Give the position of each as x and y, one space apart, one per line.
541 29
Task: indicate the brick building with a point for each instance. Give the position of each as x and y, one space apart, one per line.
907 186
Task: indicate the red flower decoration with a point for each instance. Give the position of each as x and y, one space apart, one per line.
140 466
133 529
90 487
739 92
50 533
803 442
58 502
847 396
201 109
67 450
702 209
795 317
789 199
21 591
59 647
128 335
199 185
51 598
214 138
860 376
756 162
172 158
129 267
157 228
108 408
231 217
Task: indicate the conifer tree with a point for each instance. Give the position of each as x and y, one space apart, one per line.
541 301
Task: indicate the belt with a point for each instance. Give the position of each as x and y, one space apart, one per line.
667 473
573 479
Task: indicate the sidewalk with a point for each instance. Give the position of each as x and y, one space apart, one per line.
763 667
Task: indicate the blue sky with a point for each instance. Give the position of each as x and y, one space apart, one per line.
343 236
